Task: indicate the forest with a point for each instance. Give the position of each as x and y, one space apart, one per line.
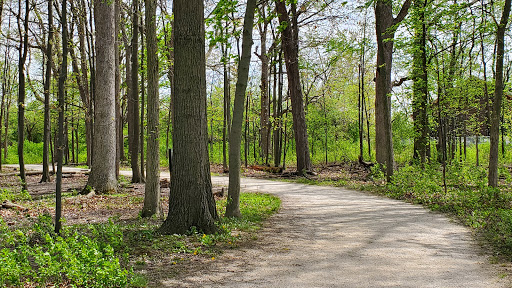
415 93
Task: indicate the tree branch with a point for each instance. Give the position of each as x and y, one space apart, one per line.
403 12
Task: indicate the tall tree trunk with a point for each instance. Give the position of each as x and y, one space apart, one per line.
498 96
227 107
420 78
119 122
2 106
278 115
264 99
152 187
48 80
86 96
191 202
103 172
62 91
142 101
23 51
133 98
169 45
385 26
291 55
235 138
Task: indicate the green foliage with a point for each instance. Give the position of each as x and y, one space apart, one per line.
38 255
6 194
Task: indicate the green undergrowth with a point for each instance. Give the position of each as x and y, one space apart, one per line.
115 254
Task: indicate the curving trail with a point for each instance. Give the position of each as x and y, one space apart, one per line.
334 237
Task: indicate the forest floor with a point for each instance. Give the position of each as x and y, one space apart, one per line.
321 237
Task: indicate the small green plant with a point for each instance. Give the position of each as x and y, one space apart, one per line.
6 194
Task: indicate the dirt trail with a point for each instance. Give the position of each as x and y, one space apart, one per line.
333 237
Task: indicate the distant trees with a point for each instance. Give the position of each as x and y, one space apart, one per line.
302 111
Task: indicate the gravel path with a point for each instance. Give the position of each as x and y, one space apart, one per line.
333 237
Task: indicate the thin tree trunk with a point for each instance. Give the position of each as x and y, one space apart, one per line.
227 105
23 51
133 98
142 102
278 132
119 128
60 146
48 79
235 138
264 99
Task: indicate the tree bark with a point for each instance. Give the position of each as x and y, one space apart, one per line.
142 101
23 51
191 202
264 99
48 79
498 96
152 187
133 98
119 122
385 26
62 91
291 55
86 95
103 170
235 137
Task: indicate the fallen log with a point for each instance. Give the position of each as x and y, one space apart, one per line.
269 169
9 205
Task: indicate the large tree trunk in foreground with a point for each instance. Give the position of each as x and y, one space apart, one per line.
235 137
103 170
191 202
498 97
291 56
152 187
